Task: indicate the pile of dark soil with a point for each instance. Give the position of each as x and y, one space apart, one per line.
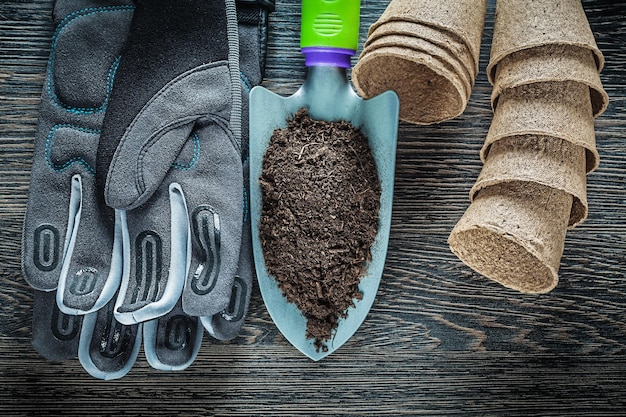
321 197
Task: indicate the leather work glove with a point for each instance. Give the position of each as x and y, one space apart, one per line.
175 351
171 156
158 130
63 210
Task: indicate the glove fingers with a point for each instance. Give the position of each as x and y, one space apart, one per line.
227 324
92 267
55 334
172 342
210 174
45 232
156 244
204 196
107 348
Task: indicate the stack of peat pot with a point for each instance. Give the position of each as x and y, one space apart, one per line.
425 51
544 68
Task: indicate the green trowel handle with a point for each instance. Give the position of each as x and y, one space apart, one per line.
330 24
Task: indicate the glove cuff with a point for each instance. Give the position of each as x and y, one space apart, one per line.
254 13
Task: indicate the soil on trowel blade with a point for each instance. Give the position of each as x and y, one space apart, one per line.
321 197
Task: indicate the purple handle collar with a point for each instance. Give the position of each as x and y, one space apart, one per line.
319 55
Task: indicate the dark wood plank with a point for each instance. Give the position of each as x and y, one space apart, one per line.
440 339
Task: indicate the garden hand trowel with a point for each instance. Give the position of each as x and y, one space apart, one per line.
329 37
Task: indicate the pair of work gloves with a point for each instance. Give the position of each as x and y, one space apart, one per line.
136 230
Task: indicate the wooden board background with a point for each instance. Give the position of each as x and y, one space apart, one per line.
440 339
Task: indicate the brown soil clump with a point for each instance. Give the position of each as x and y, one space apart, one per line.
321 198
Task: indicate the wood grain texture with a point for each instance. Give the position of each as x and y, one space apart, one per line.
439 340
